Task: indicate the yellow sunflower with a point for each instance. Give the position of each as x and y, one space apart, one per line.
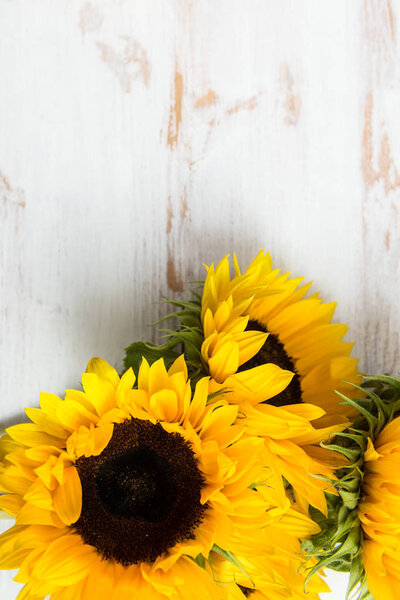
379 513
362 532
256 321
261 317
118 490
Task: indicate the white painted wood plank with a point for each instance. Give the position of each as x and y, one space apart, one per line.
141 139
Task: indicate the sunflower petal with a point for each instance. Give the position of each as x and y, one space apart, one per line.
68 497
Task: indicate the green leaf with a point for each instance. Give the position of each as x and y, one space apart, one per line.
139 350
387 379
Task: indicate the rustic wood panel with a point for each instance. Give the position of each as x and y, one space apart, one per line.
141 139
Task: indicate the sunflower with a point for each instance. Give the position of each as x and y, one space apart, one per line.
118 490
262 316
256 321
379 513
362 532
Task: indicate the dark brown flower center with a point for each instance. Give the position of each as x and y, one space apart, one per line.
273 351
246 591
141 495
138 484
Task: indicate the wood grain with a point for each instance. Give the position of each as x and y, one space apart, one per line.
142 139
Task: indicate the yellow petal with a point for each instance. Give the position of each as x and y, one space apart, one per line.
208 323
46 423
14 559
101 436
32 435
66 561
222 315
217 421
45 472
158 377
309 412
222 276
125 385
298 525
100 582
143 375
225 361
164 405
370 453
105 371
42 453
11 503
49 403
12 482
250 342
258 384
89 441
39 495
32 515
197 407
68 497
99 392
72 415
178 366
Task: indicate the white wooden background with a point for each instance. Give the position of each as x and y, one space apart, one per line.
141 138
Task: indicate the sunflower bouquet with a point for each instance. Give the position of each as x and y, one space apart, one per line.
237 459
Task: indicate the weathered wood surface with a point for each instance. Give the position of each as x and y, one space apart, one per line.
141 139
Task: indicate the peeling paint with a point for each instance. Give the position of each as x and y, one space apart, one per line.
386 171
380 37
292 101
387 168
90 18
4 183
184 205
392 22
249 104
10 196
367 167
175 114
387 239
211 125
379 20
174 278
12 211
208 99
170 215
128 64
